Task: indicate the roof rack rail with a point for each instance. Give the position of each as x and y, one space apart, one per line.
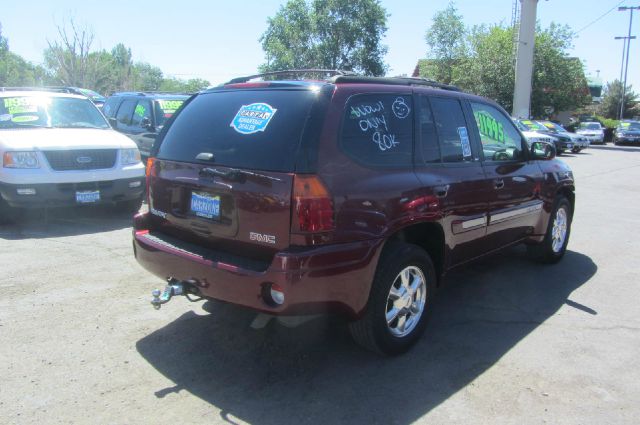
51 89
398 81
331 72
144 93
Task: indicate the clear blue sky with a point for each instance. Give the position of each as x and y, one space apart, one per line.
217 40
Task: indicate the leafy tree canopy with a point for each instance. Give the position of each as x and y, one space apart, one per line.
612 94
481 60
71 60
331 34
15 71
446 41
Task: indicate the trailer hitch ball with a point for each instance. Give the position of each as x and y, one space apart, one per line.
174 287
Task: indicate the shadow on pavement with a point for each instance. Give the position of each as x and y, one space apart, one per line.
57 222
315 374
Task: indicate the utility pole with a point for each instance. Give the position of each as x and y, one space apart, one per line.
524 59
624 49
626 66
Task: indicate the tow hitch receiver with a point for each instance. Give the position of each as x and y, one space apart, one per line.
174 287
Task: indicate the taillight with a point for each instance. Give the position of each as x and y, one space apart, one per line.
312 203
150 171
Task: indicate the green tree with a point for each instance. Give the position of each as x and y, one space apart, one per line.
446 41
182 86
612 94
146 77
488 69
123 66
483 63
4 43
559 83
15 71
333 34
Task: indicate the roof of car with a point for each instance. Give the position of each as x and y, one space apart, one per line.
156 95
45 93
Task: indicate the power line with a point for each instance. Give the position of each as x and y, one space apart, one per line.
599 17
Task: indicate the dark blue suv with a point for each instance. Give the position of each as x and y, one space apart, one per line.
141 115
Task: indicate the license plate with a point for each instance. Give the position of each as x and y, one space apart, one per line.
205 205
569 145
87 196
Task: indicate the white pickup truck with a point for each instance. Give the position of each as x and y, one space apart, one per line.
57 149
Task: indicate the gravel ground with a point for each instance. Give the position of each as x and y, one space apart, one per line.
510 341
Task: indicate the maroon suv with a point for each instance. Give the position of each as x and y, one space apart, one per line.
354 195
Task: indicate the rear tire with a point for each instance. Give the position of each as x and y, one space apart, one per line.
399 302
553 247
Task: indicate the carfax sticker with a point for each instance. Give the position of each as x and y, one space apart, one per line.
253 118
464 141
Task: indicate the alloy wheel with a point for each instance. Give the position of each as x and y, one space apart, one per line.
406 301
559 230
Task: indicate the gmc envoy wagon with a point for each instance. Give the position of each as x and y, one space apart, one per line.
352 194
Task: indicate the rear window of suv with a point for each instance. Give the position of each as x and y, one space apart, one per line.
254 129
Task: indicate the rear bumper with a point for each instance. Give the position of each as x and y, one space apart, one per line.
628 140
314 280
562 145
64 194
594 139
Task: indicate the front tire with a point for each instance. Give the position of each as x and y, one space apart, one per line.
7 213
553 247
399 302
131 206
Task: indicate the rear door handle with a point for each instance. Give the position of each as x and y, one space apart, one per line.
441 191
498 183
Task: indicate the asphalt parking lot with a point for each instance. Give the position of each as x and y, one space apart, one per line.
510 341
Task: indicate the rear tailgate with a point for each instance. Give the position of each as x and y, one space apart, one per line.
224 170
222 205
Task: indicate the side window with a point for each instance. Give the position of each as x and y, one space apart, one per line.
110 107
428 137
500 139
453 135
125 111
142 110
378 130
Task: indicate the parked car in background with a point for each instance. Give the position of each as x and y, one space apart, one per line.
353 195
592 130
628 132
580 142
534 136
141 115
93 96
561 142
57 149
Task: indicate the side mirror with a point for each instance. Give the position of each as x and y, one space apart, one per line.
113 121
146 123
543 150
